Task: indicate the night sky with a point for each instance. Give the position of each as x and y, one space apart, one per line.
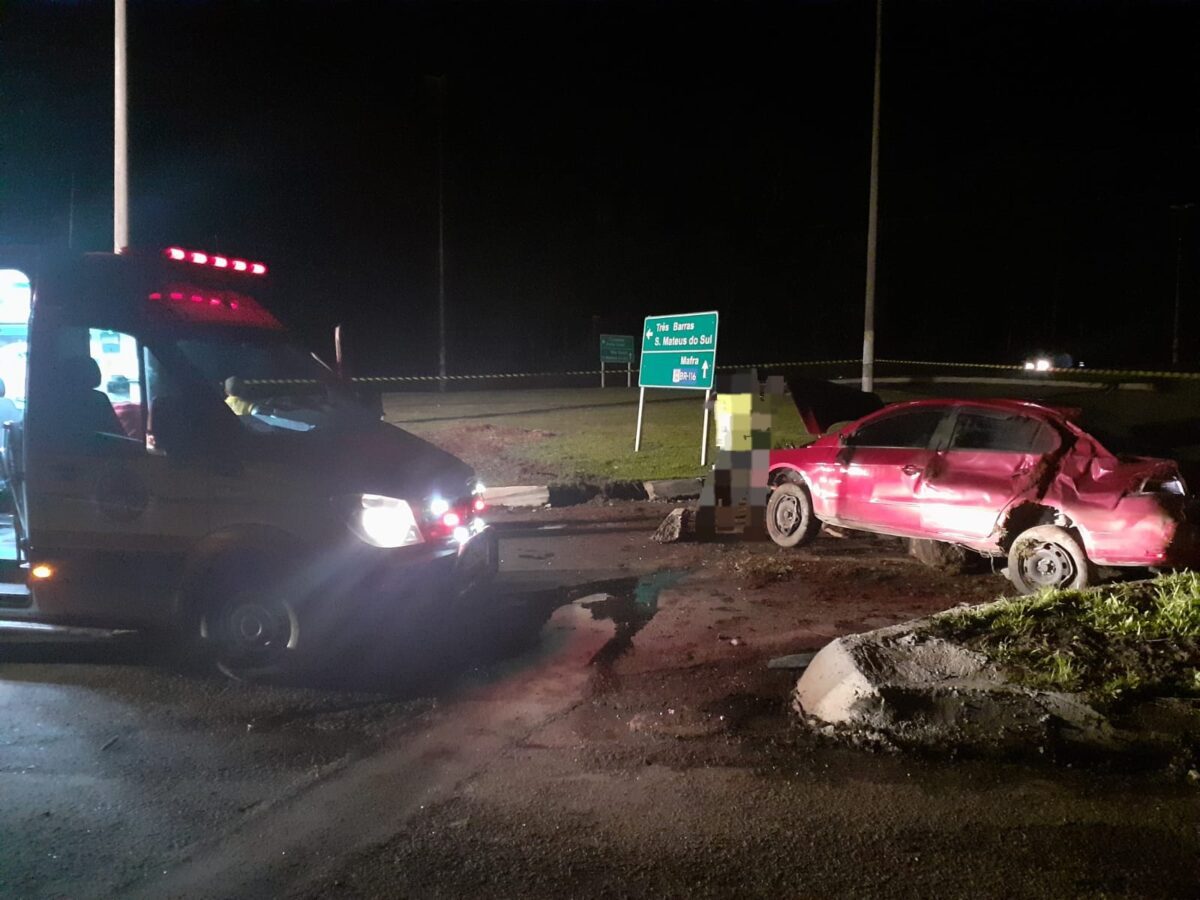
606 160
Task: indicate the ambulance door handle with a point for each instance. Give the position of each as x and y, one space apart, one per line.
910 469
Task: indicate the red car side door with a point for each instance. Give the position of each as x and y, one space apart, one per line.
881 468
993 456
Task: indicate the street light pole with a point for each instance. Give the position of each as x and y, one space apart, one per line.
441 105
120 134
1180 209
868 361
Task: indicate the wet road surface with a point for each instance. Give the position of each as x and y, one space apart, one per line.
603 724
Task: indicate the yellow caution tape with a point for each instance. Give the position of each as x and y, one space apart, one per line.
404 379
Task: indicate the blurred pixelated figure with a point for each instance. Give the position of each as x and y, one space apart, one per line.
734 497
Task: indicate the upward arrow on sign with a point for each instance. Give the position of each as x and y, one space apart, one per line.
704 368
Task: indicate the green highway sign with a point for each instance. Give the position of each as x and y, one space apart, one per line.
616 348
679 351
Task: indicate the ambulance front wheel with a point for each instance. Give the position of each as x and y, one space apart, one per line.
251 626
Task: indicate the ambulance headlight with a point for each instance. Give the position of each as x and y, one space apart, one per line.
385 521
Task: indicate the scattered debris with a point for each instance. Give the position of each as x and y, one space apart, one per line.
759 569
949 558
679 525
682 724
792 661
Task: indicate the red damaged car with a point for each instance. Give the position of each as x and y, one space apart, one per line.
1002 478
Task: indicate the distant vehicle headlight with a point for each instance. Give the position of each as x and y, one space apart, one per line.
1042 364
385 522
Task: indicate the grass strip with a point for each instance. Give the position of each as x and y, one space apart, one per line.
1112 643
586 434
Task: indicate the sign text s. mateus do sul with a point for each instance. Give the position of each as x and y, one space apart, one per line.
679 351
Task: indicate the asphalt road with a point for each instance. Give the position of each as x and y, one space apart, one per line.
603 724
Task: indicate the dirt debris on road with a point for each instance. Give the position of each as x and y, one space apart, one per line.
681 773
672 766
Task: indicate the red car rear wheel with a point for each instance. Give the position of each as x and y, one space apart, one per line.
1047 556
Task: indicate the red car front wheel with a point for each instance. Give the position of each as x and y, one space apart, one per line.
790 518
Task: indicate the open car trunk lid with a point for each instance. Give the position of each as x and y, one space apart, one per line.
822 404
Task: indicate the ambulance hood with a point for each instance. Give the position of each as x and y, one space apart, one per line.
375 458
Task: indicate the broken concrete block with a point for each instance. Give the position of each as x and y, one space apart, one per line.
903 686
518 495
679 525
673 489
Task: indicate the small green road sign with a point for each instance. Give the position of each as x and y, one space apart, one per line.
679 351
616 348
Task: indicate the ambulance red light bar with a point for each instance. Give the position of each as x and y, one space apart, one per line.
200 258
214 307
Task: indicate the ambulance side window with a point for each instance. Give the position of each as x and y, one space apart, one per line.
92 400
117 357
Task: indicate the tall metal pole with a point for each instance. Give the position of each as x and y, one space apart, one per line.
1180 209
120 134
441 89
71 216
868 364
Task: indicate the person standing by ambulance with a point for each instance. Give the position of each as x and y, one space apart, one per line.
234 399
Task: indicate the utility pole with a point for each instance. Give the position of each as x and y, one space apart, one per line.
868 363
120 134
1180 209
71 216
441 116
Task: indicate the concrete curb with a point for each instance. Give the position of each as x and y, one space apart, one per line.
570 494
902 686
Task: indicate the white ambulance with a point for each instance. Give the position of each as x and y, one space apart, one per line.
147 495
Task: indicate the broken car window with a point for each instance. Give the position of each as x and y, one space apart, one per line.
1005 433
907 429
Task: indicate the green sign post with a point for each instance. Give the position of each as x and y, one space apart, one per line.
678 352
619 349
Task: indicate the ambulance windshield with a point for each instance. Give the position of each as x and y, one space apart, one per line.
270 382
